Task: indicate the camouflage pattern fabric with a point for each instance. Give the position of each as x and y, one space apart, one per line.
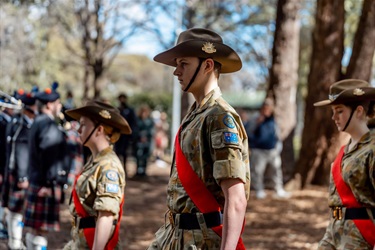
100 187
358 171
214 142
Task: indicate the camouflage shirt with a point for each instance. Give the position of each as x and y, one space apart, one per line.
100 187
214 141
358 172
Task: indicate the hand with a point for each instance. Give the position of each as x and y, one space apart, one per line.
23 184
44 192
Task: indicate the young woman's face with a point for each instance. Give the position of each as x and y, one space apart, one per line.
85 128
340 115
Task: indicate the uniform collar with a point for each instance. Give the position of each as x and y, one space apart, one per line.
207 101
102 153
365 139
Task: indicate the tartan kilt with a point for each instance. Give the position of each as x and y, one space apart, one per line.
42 213
16 198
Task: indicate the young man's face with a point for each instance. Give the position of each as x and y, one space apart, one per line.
55 108
185 70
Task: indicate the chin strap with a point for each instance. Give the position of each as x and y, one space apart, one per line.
350 118
195 74
92 132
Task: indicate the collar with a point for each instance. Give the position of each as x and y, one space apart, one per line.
365 139
207 101
102 154
7 117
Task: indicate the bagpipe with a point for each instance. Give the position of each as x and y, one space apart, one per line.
7 101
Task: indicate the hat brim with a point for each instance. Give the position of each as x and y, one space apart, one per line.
226 56
116 120
348 96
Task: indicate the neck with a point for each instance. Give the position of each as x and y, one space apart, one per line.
99 147
357 134
210 84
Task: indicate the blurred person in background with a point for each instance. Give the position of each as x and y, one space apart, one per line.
265 148
161 138
69 101
5 117
144 139
47 170
17 164
126 142
98 192
352 179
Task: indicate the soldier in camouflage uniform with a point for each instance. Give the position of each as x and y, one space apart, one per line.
99 190
352 180
214 143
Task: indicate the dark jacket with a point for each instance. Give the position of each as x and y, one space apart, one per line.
264 135
47 152
4 120
17 133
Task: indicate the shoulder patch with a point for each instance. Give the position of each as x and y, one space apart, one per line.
229 121
230 137
111 188
112 175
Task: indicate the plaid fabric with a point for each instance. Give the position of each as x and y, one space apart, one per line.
16 196
42 212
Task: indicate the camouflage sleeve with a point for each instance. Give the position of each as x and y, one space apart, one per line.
228 139
110 187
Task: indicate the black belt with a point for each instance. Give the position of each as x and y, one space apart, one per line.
359 213
89 222
190 221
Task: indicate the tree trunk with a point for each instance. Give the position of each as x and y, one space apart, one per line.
284 77
320 139
360 64
86 83
98 69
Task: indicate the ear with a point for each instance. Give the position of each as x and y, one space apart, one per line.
360 110
209 65
100 129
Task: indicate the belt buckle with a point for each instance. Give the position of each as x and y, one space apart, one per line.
337 213
74 221
170 217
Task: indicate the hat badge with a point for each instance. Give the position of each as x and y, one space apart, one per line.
105 114
209 48
332 97
358 92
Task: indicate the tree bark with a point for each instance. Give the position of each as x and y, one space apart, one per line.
360 64
320 139
284 77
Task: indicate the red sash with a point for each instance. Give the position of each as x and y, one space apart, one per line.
366 227
90 232
197 190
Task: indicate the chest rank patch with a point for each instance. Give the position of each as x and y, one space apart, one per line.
230 138
111 188
229 121
112 175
